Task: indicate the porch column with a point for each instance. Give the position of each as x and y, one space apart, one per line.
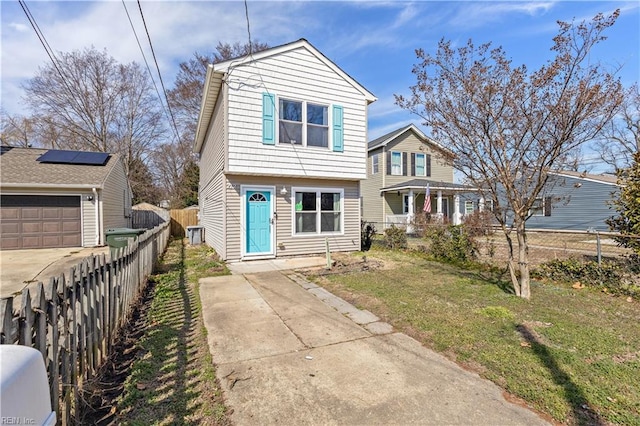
438 216
410 212
457 220
481 204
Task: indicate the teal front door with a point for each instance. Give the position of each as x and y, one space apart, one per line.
258 222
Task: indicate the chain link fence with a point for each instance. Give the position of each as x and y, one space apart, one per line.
543 244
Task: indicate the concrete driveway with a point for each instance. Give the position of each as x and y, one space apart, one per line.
20 268
290 352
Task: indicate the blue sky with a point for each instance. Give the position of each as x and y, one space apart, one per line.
373 41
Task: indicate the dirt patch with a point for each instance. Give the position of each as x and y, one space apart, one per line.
343 263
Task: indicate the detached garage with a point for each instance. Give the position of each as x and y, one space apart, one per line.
56 198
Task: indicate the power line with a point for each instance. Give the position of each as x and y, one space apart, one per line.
153 53
166 109
246 14
48 50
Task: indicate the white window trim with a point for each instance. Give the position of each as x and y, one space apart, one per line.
243 220
317 190
304 103
466 203
424 164
391 160
540 210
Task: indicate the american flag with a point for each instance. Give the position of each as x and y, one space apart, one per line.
427 201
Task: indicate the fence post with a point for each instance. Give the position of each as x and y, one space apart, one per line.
6 309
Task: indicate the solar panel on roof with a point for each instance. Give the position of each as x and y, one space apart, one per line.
57 156
92 158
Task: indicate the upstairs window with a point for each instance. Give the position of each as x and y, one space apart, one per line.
421 165
317 125
375 164
396 163
290 122
303 123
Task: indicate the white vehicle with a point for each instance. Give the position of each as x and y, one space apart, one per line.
24 388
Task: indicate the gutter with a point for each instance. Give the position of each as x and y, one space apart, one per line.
48 186
97 209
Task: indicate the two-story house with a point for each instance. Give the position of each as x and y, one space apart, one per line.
402 167
282 140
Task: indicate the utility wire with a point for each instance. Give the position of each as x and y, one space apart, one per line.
49 51
166 108
246 14
153 53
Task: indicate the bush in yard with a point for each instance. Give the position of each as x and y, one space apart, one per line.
367 232
479 224
451 243
395 238
609 275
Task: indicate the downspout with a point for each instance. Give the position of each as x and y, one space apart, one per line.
98 227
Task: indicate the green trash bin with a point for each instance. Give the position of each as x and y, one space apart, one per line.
118 238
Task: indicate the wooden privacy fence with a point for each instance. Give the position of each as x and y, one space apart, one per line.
74 319
148 219
180 219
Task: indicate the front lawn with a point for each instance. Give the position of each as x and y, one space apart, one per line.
571 353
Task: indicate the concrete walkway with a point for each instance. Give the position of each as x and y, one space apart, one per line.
289 352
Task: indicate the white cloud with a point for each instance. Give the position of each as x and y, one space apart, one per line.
18 27
478 14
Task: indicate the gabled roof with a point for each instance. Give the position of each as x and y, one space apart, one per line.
19 168
603 178
389 137
216 73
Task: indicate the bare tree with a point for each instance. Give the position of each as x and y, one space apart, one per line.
17 130
171 162
88 101
621 138
186 95
508 127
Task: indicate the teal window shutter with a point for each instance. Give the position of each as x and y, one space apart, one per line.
338 129
268 119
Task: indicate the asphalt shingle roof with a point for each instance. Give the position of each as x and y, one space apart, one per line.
20 166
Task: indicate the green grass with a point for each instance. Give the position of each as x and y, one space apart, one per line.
173 380
573 354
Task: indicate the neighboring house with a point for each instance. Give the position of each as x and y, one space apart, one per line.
54 198
282 137
574 201
400 166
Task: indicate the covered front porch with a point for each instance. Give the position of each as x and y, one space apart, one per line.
405 201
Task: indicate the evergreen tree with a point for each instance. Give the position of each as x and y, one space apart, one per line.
627 204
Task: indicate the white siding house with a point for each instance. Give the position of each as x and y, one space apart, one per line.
282 139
